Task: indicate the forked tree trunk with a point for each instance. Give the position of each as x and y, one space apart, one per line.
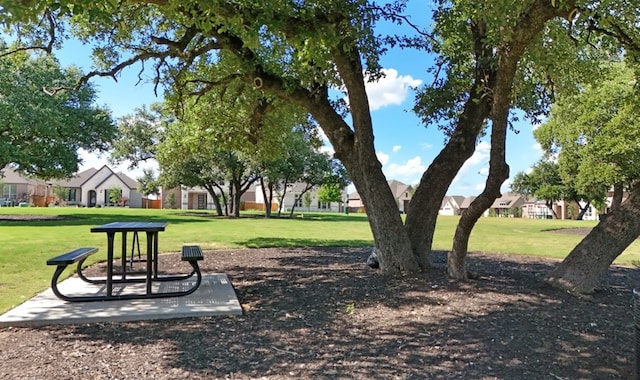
525 31
425 203
582 269
355 148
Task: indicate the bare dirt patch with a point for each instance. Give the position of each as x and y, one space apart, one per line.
32 218
320 313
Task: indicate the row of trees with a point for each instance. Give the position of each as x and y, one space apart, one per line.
215 151
492 58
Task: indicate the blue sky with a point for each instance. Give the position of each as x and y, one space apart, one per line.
404 145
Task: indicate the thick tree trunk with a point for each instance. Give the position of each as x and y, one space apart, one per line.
527 28
582 269
355 148
498 173
425 203
618 192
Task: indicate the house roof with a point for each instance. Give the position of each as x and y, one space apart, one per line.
467 202
80 178
11 176
398 188
454 200
508 200
130 182
83 177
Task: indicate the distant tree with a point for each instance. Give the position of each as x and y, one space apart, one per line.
172 202
596 134
139 134
545 182
115 194
330 192
148 183
61 193
306 201
41 133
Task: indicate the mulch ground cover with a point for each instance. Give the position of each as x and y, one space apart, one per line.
321 313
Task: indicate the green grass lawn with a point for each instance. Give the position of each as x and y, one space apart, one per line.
26 245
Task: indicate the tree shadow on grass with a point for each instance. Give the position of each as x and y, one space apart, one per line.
321 313
268 242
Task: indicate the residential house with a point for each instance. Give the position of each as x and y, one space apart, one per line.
534 208
293 197
466 202
402 193
355 203
88 188
451 205
18 188
91 188
508 205
196 198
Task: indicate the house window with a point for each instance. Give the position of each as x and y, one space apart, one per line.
323 205
298 202
10 191
71 195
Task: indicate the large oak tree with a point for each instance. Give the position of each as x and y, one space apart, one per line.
40 134
299 50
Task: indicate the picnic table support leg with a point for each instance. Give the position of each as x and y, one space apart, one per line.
155 254
636 317
124 256
109 280
54 282
150 258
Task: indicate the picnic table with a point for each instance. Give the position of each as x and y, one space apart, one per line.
190 253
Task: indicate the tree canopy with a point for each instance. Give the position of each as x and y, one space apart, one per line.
41 133
594 133
491 56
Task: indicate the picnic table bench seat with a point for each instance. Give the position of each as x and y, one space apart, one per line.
78 255
190 253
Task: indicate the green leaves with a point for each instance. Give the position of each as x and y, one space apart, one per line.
596 133
42 133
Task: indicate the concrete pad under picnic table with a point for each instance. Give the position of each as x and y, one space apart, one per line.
214 296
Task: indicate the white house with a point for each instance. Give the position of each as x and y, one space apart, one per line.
451 205
88 188
402 193
91 188
292 198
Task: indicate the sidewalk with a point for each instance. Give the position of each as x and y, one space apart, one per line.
215 296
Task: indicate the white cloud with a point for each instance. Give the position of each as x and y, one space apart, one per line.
426 146
480 156
382 157
409 172
396 148
484 171
328 149
390 89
